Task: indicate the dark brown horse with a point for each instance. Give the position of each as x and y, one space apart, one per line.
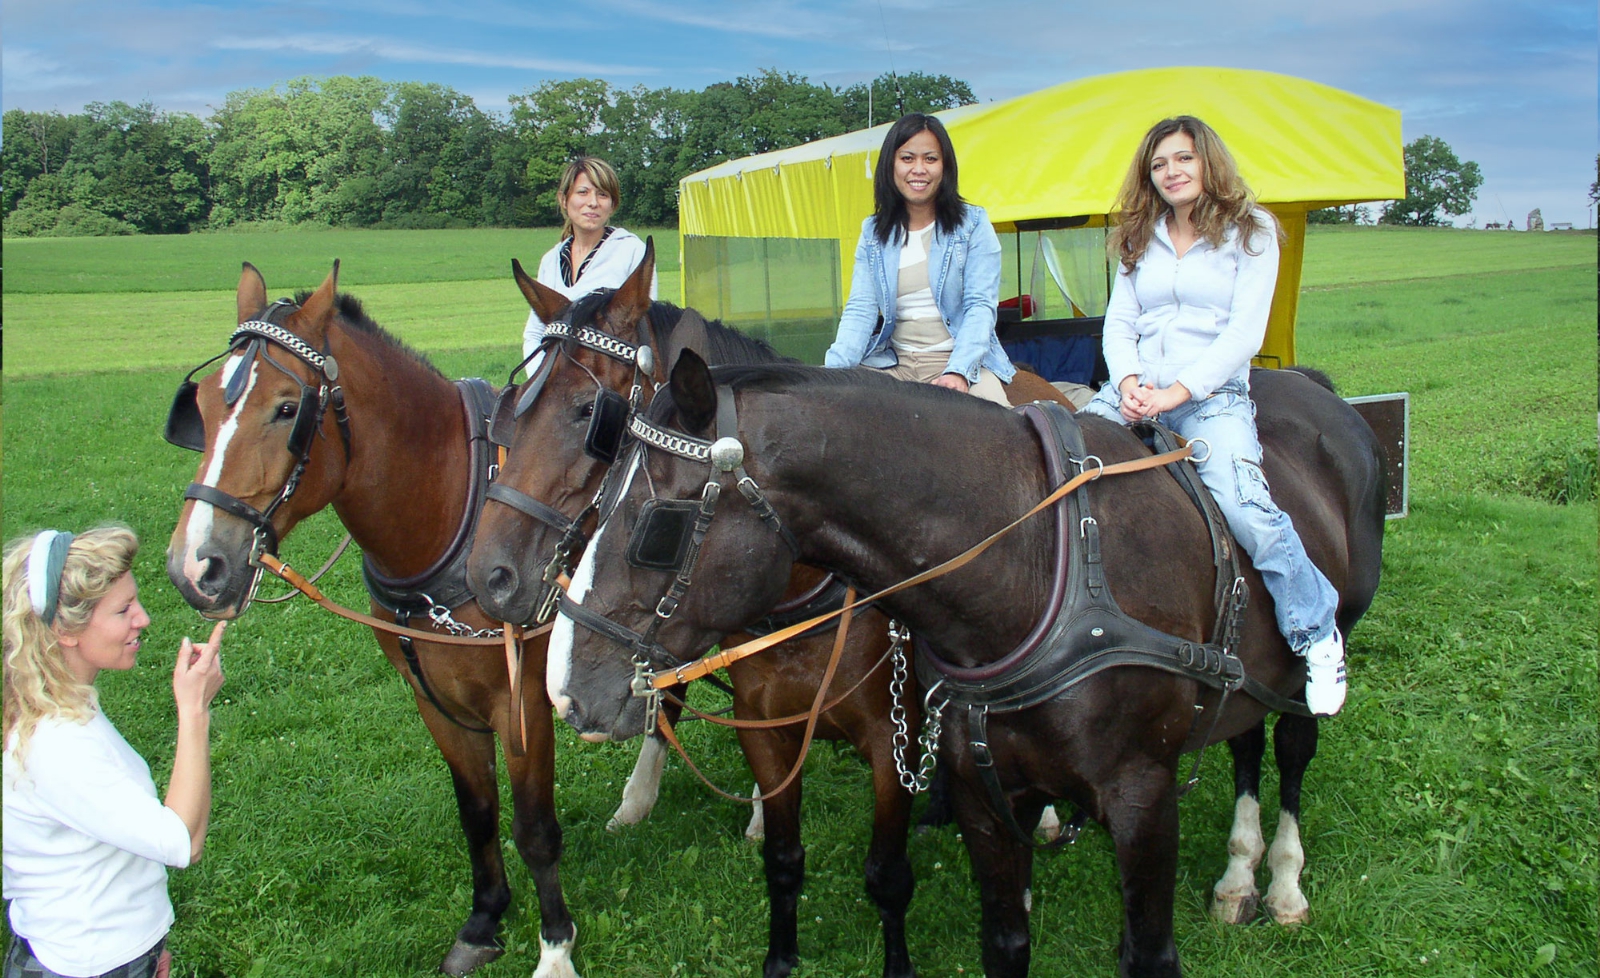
879 481
393 453
551 461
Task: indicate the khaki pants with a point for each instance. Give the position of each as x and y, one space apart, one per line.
925 368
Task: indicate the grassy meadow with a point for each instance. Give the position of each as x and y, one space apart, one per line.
1450 817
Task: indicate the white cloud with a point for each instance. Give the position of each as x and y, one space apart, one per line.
24 68
400 51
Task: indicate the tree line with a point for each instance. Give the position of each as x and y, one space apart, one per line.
1438 183
362 152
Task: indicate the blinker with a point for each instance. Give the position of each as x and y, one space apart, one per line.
185 427
727 453
608 422
660 540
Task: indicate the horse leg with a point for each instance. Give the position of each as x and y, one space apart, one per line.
938 813
1235 898
1141 811
889 878
1294 744
771 755
471 759
538 838
644 784
1003 869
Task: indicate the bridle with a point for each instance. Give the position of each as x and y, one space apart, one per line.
668 535
186 429
608 426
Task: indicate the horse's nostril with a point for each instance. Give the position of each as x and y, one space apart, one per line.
502 580
214 577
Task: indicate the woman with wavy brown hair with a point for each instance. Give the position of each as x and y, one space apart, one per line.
1197 266
87 842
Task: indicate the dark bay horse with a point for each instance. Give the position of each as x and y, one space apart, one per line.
879 481
550 460
395 460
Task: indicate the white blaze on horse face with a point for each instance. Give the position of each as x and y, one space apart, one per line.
198 529
558 657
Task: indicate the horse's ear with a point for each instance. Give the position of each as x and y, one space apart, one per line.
690 333
546 302
318 309
694 393
252 292
632 300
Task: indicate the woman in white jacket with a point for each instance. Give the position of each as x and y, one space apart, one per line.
87 842
1198 263
591 253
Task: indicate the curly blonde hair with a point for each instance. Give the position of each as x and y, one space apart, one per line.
1225 201
37 682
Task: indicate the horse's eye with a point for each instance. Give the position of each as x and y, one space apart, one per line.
587 410
287 410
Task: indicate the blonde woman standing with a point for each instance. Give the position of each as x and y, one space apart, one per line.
1197 267
592 254
86 841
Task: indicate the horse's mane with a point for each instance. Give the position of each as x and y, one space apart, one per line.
728 345
356 318
789 375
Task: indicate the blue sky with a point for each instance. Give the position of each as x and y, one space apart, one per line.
1511 84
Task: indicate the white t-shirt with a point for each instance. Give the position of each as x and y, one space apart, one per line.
616 258
86 846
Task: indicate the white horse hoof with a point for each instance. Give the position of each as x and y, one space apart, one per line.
555 960
757 829
1289 912
1235 908
1049 824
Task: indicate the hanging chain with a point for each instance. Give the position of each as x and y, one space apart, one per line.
442 618
918 781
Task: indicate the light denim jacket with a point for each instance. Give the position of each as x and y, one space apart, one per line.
964 272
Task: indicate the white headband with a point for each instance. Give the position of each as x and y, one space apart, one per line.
45 560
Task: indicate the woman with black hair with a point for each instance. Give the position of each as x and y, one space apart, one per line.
926 287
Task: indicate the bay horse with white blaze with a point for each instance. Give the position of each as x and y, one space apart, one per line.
399 452
879 481
562 428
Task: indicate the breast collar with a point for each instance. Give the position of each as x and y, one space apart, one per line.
444 583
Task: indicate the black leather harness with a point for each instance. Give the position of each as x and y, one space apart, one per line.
443 586
1083 631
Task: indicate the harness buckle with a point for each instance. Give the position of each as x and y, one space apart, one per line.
642 686
666 607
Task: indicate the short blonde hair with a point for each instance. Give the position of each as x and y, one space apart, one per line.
37 682
600 174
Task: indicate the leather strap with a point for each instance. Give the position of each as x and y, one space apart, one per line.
293 577
700 667
524 503
665 725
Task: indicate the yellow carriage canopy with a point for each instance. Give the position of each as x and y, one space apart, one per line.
768 241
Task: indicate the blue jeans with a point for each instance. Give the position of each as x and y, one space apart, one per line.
1226 422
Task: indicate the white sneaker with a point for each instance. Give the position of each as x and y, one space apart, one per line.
1325 684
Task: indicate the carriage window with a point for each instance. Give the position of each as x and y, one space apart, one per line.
784 290
1056 274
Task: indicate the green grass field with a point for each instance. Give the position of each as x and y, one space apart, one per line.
1450 818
